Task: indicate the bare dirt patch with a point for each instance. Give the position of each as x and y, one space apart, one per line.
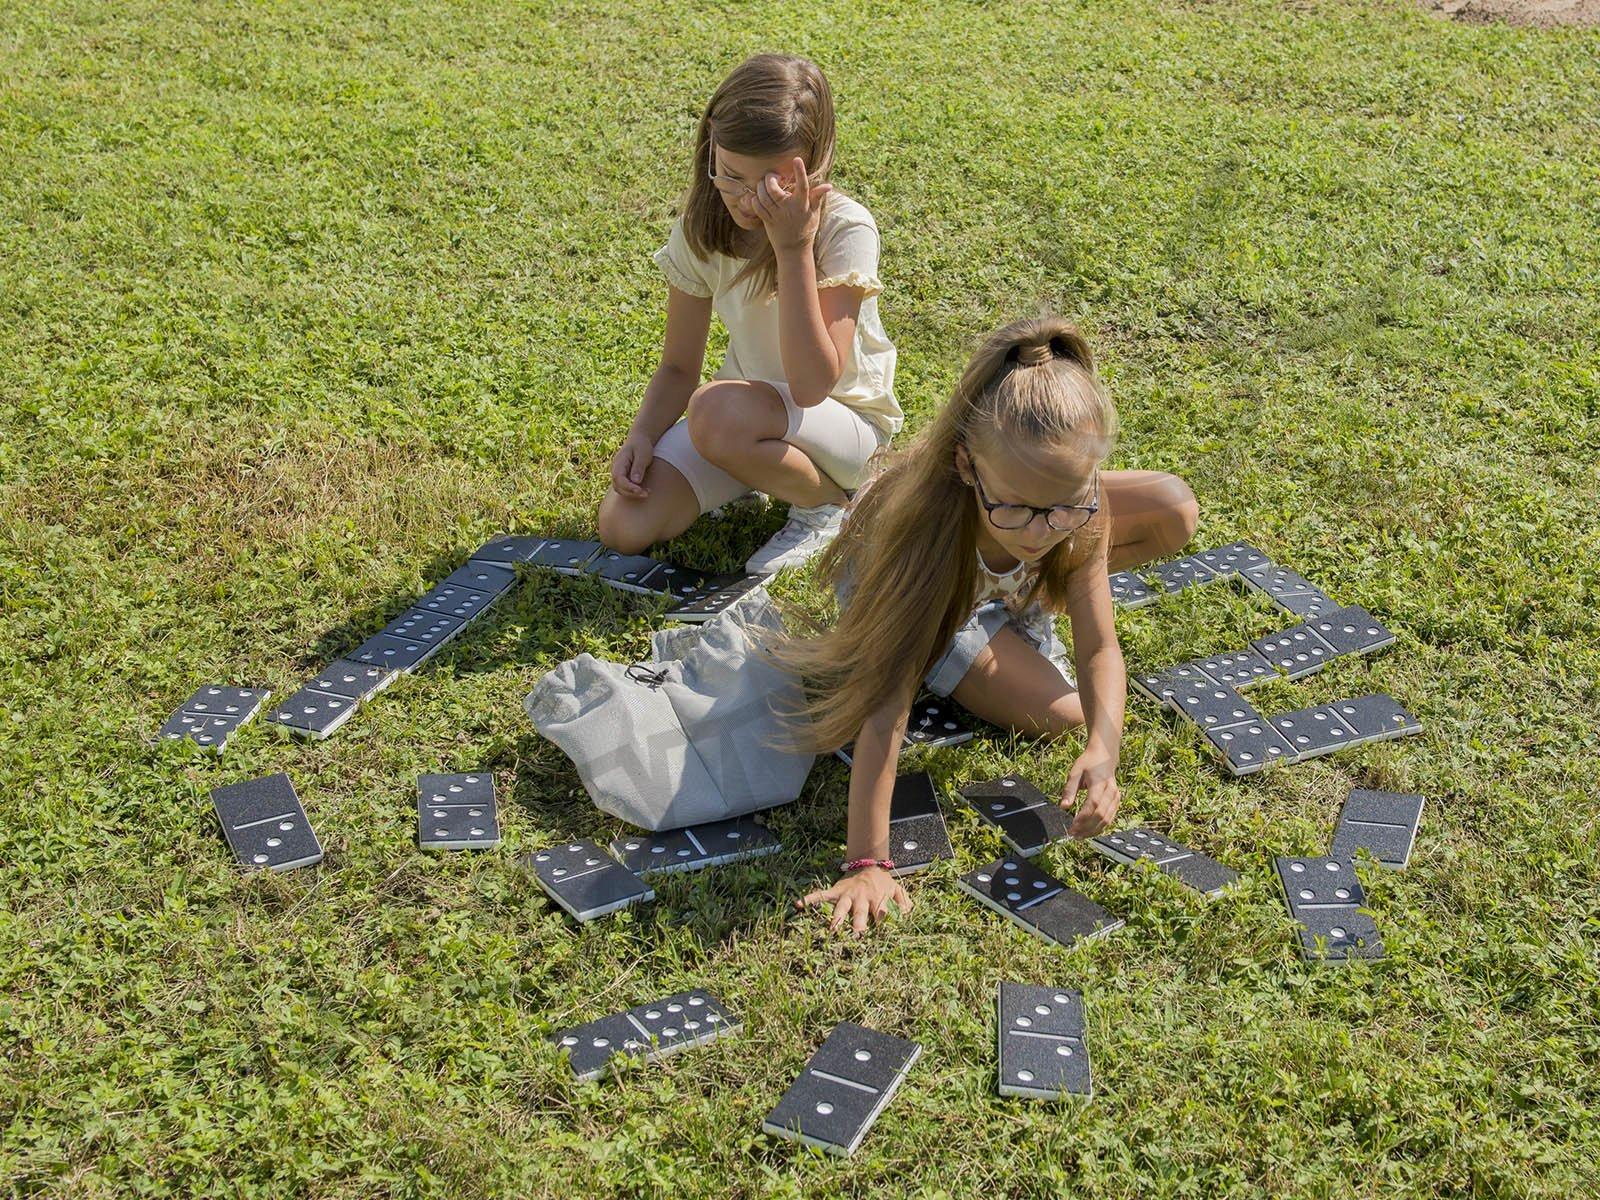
1546 14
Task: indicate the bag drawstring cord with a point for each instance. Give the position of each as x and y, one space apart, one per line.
651 679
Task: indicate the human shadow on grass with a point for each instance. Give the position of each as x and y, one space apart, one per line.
560 616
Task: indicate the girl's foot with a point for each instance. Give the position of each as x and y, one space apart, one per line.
805 533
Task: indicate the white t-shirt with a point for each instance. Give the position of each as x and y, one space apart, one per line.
848 238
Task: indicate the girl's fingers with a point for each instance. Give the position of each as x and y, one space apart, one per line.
901 899
817 194
820 896
1070 792
841 910
862 917
621 481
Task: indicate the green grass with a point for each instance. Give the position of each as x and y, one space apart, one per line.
300 302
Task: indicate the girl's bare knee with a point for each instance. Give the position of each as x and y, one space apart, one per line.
623 531
1180 513
713 420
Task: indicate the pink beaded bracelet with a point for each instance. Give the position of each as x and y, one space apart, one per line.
855 864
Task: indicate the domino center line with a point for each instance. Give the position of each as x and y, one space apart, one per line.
840 1079
267 820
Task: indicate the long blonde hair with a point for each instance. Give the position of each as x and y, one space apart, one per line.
909 547
769 104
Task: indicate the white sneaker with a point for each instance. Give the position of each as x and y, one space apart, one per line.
806 532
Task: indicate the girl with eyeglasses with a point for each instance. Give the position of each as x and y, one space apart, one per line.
804 398
951 569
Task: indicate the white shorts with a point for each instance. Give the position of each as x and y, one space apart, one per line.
834 436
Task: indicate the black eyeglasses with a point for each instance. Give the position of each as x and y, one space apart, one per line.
1063 518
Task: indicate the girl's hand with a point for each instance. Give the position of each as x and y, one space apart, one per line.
1094 776
790 215
860 897
628 466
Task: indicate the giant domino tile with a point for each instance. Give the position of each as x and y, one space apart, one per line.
1208 691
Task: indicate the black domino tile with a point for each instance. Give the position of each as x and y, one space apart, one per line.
1040 903
719 595
509 550
1339 934
590 1046
1384 824
584 880
266 825
1196 871
1041 1042
1129 591
356 681
463 603
394 653
935 721
1325 898
1025 817
680 1021
913 796
696 846
312 713
1288 589
457 812
1181 573
917 834
1314 731
424 625
1212 705
1163 686
1319 883
481 577
680 583
651 1031
1233 559
1134 845
1376 717
221 700
843 1089
1252 747
1295 651
627 572
1351 630
565 556
212 714
1239 669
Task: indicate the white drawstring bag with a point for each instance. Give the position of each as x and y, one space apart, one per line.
691 736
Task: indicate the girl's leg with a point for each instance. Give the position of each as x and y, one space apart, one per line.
1012 685
739 425
1153 514
632 524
